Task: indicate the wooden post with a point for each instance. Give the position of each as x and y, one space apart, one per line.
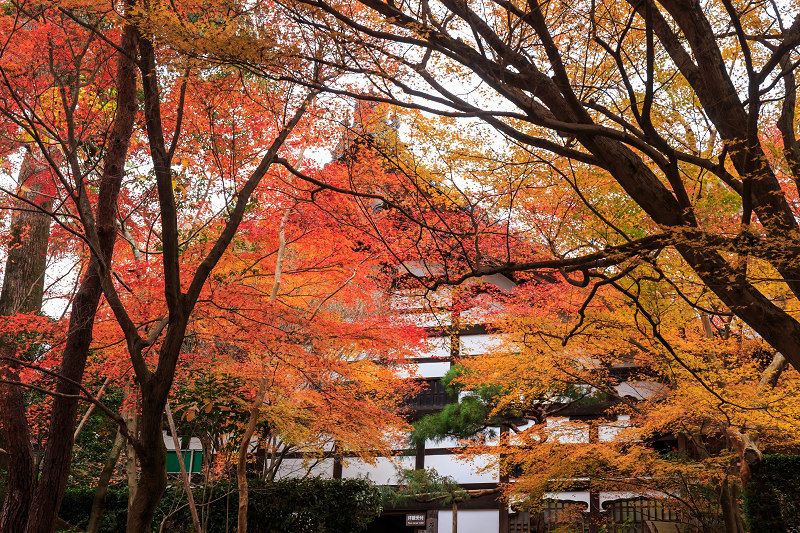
594 512
419 461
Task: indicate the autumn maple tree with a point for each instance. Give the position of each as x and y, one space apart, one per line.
680 116
67 98
598 144
295 320
669 373
42 89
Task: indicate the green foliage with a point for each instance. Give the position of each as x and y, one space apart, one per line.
475 414
451 381
94 442
77 504
465 419
772 499
288 506
214 405
423 485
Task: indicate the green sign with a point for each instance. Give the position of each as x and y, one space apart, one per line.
192 460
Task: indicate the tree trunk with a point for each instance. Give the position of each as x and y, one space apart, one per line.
255 408
155 385
187 485
241 464
99 501
130 452
729 501
90 409
205 442
152 454
21 469
23 288
56 464
23 281
455 517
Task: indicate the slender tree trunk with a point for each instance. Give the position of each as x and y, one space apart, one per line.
99 501
187 486
90 409
255 408
23 287
455 516
155 384
23 280
729 501
130 452
205 442
241 464
56 463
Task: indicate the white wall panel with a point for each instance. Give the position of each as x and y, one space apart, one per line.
622 495
566 432
296 468
575 496
499 281
641 390
435 347
427 320
463 471
383 472
411 299
478 344
447 442
431 370
194 442
470 521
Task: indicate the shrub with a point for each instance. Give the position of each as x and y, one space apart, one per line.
296 506
772 499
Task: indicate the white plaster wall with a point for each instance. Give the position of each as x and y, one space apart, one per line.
499 281
470 521
194 442
611 431
431 370
420 268
478 344
410 299
435 347
477 315
383 472
463 471
574 496
567 433
427 320
624 495
515 438
295 468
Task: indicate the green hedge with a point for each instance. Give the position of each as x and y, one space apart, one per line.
296 506
772 499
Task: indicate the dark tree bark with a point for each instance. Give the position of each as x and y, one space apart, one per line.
23 286
729 501
23 279
56 463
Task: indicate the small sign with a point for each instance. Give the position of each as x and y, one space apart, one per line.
415 519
